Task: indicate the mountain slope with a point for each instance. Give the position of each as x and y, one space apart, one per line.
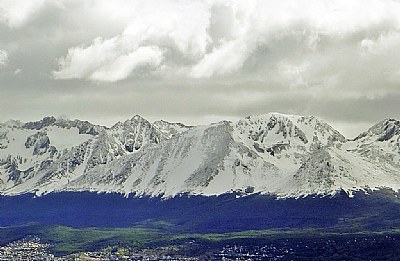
45 155
205 159
287 155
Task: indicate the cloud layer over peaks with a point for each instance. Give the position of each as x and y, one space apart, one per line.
199 61
203 39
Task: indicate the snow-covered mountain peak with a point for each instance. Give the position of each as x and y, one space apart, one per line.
132 122
382 131
276 132
84 127
137 117
287 155
167 123
171 129
273 116
136 132
202 160
12 124
380 143
37 125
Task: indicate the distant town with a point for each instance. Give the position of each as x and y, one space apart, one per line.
33 248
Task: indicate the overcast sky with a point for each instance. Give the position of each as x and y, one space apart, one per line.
200 61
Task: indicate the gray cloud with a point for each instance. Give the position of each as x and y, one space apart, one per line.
3 58
200 61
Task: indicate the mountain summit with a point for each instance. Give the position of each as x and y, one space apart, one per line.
286 155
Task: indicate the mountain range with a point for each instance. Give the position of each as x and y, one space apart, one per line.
277 154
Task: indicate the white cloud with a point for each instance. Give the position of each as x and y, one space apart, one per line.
223 60
17 13
156 29
207 38
3 58
121 67
108 60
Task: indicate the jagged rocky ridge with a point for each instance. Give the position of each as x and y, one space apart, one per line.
273 153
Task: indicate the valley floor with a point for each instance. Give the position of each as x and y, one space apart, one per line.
64 243
91 226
